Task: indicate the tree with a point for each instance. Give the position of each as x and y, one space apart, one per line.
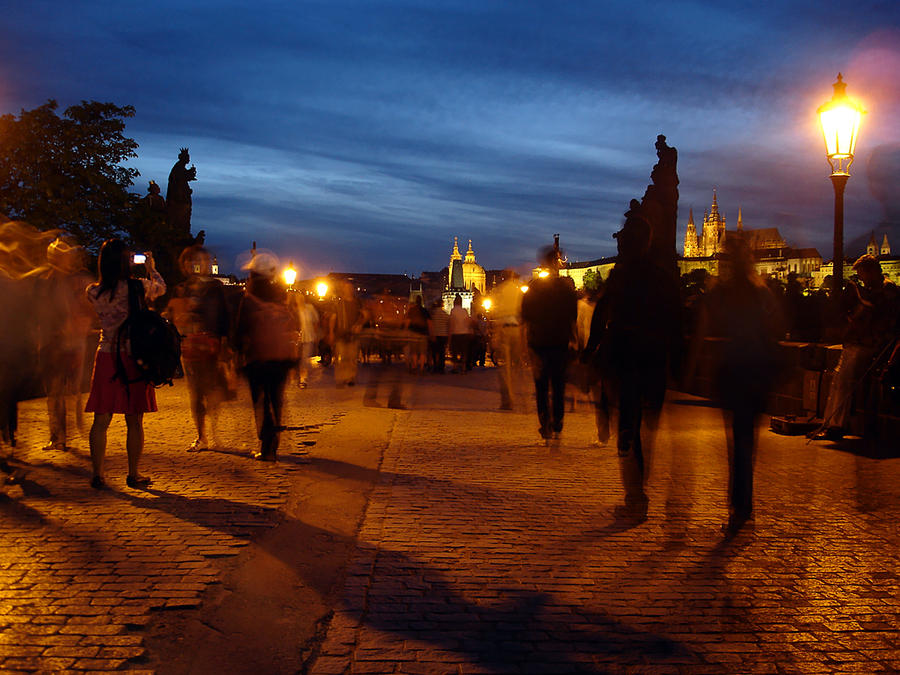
592 281
66 172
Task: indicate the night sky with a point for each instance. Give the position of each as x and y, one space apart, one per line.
363 136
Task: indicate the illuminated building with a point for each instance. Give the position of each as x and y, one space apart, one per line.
773 256
465 277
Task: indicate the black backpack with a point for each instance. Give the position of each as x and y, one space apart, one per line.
155 342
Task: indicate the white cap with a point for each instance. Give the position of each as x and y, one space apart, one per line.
264 264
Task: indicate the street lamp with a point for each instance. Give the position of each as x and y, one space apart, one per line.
321 290
486 303
290 275
840 118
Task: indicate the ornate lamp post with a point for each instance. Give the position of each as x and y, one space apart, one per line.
840 118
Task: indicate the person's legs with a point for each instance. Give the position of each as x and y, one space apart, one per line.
541 373
275 384
557 377
601 409
97 440
742 430
56 411
631 459
134 442
195 397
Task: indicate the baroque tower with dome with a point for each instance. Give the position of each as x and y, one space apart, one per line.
465 277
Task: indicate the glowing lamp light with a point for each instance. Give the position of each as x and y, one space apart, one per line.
543 274
321 289
290 275
487 304
840 118
524 288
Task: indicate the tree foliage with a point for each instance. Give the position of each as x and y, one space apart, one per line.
592 281
65 172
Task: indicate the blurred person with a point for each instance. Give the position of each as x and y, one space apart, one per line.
460 335
264 335
592 313
639 332
23 252
113 392
872 328
507 336
346 323
438 330
200 312
742 311
549 312
416 325
308 320
65 318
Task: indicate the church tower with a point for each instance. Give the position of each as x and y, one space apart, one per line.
872 248
885 246
740 225
713 229
691 248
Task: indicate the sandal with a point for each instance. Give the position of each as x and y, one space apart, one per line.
137 481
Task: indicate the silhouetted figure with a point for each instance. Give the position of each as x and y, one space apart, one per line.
461 335
549 312
507 337
416 325
742 311
638 329
154 200
116 386
178 196
438 331
65 319
200 313
346 323
873 326
308 321
264 335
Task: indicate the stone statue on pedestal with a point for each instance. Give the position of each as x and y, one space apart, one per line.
178 196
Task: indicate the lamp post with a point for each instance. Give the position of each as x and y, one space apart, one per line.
290 275
839 118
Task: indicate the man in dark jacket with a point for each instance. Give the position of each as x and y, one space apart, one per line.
549 311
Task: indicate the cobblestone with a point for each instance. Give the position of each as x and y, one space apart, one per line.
482 550
82 571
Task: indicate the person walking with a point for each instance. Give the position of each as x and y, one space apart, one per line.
438 330
638 328
119 390
199 311
742 312
461 332
308 319
264 335
549 311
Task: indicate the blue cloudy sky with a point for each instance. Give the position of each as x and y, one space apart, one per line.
363 135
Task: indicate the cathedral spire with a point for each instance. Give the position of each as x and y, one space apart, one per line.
455 255
470 254
740 224
885 245
714 209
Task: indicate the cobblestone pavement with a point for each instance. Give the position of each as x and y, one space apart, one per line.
82 572
483 551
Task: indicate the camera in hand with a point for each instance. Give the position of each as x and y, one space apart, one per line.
139 258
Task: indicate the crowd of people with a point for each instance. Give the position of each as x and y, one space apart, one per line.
621 345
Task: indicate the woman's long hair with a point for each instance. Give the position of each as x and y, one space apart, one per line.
113 265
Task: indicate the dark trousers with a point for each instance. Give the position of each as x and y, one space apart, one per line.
743 432
438 346
640 393
267 381
548 366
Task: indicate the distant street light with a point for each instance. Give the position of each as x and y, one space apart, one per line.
524 288
321 290
840 118
290 275
486 303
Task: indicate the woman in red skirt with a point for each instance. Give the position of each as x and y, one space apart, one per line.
109 394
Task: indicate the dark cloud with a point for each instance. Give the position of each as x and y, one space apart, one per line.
365 135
